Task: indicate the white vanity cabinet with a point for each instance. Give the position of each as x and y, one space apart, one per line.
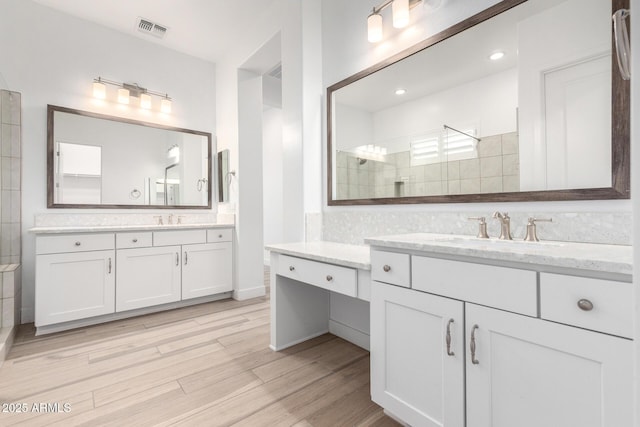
415 374
532 373
181 265
147 276
489 346
88 278
75 277
207 269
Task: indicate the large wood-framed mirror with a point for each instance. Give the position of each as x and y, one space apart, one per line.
100 161
548 120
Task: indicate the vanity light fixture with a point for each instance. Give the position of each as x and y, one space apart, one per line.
123 96
496 55
99 89
400 12
128 90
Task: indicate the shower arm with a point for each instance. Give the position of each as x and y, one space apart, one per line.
463 133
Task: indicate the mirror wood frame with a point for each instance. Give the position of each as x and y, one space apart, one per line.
620 131
52 109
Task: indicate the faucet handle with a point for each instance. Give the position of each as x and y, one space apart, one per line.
531 235
159 218
482 226
180 219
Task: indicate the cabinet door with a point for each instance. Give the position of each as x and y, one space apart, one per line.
147 276
72 286
533 373
206 269
413 376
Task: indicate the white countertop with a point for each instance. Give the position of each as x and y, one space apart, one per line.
128 227
356 256
584 256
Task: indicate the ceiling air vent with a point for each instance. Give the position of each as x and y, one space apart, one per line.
148 27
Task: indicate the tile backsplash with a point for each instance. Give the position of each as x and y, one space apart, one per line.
592 227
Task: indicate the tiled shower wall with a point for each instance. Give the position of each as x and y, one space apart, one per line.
10 202
495 170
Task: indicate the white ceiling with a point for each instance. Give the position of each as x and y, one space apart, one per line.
202 28
451 63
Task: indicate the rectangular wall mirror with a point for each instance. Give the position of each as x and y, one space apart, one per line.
521 102
99 161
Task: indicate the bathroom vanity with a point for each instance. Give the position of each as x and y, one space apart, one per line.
87 275
501 333
319 287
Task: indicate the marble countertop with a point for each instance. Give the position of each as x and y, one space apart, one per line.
356 256
584 256
127 227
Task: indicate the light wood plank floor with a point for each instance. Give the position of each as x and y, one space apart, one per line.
207 365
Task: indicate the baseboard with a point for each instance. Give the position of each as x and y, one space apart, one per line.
58 327
6 341
243 294
349 334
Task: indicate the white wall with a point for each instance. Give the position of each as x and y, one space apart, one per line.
347 51
55 62
295 21
273 177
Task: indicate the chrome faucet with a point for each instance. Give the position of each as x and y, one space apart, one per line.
505 225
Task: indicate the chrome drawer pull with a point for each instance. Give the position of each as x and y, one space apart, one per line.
472 345
291 268
329 278
186 257
585 305
386 268
77 243
109 265
135 240
448 338
177 259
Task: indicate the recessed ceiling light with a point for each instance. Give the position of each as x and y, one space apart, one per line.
496 55
401 91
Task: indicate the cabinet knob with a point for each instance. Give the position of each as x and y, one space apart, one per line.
219 236
585 305
329 278
77 243
291 268
135 240
386 268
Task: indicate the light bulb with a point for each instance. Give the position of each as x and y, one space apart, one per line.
165 105
400 10
374 27
496 55
123 96
99 90
145 101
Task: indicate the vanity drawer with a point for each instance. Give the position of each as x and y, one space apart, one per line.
611 302
391 267
328 276
219 235
51 244
179 237
134 239
499 287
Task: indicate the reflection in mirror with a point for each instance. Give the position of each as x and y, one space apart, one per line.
104 161
224 176
521 102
